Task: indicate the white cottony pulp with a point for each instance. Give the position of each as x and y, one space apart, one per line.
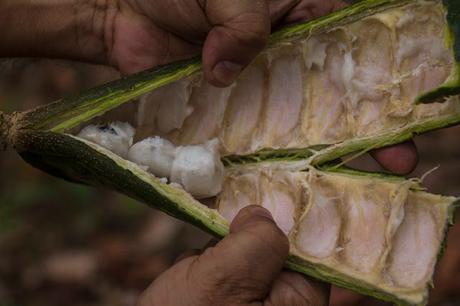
197 168
116 137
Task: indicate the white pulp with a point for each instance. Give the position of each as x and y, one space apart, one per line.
116 136
155 153
199 169
196 168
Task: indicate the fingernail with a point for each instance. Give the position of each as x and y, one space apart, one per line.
226 72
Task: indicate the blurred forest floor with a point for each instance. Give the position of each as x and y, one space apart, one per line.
65 244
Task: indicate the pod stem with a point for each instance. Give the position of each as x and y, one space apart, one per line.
4 130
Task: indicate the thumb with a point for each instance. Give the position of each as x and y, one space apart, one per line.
240 30
243 266
308 10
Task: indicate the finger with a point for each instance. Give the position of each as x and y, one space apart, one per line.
294 289
311 9
243 266
240 30
279 8
343 297
399 159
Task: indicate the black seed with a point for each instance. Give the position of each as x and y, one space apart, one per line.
107 129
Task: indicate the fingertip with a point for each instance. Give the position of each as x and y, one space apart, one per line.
225 73
239 33
308 10
249 215
318 292
257 222
225 57
400 159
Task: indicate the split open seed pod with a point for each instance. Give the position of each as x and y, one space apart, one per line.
346 83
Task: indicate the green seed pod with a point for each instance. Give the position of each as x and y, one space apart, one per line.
343 84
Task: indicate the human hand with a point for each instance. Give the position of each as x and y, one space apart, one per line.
228 34
245 268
